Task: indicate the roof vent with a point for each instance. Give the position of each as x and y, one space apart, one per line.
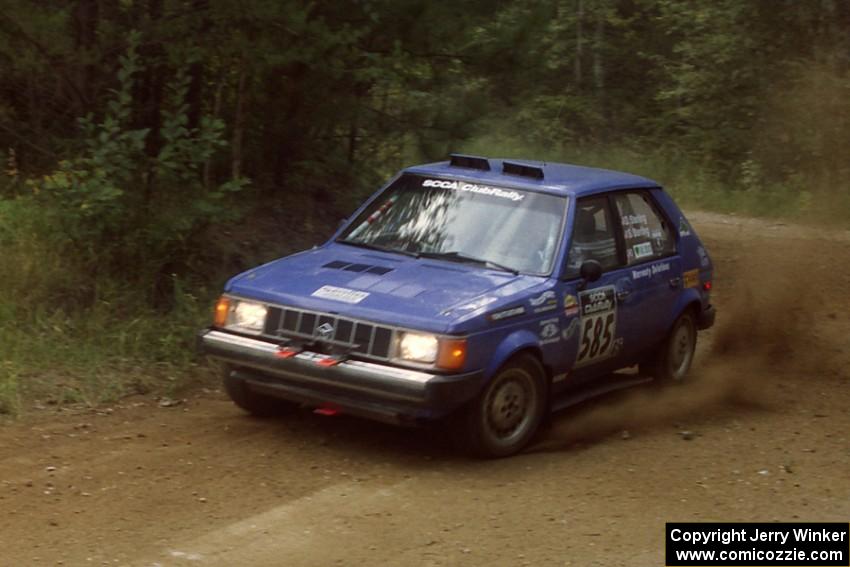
470 162
511 168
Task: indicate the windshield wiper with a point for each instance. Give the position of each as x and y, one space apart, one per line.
377 247
460 257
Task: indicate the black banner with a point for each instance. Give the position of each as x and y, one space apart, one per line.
758 544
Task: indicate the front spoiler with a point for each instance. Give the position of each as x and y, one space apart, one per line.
377 391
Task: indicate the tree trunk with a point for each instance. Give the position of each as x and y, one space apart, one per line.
353 129
84 21
238 124
598 47
579 42
207 174
153 87
599 72
195 94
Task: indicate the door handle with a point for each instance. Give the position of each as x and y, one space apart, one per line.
623 294
674 282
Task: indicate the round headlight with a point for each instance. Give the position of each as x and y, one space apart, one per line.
416 347
249 316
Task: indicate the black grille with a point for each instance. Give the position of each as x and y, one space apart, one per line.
367 339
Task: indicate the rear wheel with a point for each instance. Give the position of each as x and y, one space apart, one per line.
504 417
256 404
673 359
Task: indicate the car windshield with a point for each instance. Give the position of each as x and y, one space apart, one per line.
501 227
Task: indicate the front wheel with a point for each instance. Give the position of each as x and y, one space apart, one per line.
505 415
673 359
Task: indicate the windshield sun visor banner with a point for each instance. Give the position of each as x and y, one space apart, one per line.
474 188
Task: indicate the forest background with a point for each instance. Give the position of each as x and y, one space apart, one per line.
152 148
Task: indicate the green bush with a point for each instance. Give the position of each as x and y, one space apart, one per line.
88 246
119 210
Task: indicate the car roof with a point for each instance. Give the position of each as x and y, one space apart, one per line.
547 177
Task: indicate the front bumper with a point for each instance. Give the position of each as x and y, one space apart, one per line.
377 391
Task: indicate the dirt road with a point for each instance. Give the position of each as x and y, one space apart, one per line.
763 433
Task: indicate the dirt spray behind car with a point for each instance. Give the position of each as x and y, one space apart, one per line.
776 327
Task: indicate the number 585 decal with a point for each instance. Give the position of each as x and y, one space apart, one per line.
598 309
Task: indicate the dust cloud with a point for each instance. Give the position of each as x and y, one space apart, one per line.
768 331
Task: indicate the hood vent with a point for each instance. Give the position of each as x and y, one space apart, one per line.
359 268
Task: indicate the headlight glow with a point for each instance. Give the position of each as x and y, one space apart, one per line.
248 316
416 347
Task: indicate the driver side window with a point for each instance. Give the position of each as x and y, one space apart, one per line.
593 236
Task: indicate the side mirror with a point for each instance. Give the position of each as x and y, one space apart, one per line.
590 271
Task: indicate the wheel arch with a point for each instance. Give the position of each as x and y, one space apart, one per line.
515 345
690 301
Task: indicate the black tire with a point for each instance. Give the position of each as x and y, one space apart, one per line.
672 360
505 415
256 404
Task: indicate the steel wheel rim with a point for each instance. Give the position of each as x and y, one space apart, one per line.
682 349
509 407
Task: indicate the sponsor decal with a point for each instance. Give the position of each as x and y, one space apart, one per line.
650 271
546 301
570 305
597 300
473 305
660 268
544 297
658 238
474 188
507 313
550 331
690 278
642 250
635 226
325 331
634 220
342 294
703 257
571 329
642 273
684 227
598 325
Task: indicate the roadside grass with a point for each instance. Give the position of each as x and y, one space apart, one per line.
96 355
68 336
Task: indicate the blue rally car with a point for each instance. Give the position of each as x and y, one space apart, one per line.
488 292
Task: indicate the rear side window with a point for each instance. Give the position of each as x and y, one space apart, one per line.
593 236
646 233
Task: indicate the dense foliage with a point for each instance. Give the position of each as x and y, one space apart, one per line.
133 132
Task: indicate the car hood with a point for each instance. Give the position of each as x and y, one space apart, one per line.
425 294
